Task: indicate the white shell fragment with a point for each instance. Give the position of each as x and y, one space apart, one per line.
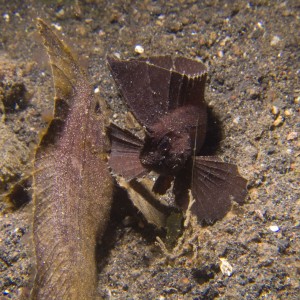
225 267
139 49
6 17
274 228
275 40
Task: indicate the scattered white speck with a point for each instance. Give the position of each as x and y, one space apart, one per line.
96 90
139 49
57 26
60 13
220 54
274 228
88 21
211 104
117 55
115 116
17 230
236 120
6 17
260 25
275 40
225 267
101 33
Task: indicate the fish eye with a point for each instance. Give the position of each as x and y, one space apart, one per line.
164 144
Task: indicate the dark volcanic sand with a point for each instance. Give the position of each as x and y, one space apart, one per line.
252 51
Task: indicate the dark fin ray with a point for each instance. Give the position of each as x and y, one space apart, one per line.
152 87
143 98
214 185
125 153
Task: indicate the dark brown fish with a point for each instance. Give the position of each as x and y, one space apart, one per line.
72 185
166 96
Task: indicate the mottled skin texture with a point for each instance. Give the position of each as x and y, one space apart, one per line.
170 142
72 186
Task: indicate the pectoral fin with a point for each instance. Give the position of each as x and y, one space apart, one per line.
214 185
125 153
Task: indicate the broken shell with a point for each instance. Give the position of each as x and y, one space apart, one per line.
225 267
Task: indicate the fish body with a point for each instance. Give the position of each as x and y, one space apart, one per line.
72 185
171 141
166 95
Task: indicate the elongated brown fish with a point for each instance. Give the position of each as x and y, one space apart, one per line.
72 186
166 96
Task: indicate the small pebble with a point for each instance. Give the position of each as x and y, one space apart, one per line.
225 267
260 214
139 49
117 55
260 25
101 33
236 120
279 120
6 17
220 54
274 228
275 110
60 13
292 136
96 90
288 112
224 41
127 221
275 40
57 26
